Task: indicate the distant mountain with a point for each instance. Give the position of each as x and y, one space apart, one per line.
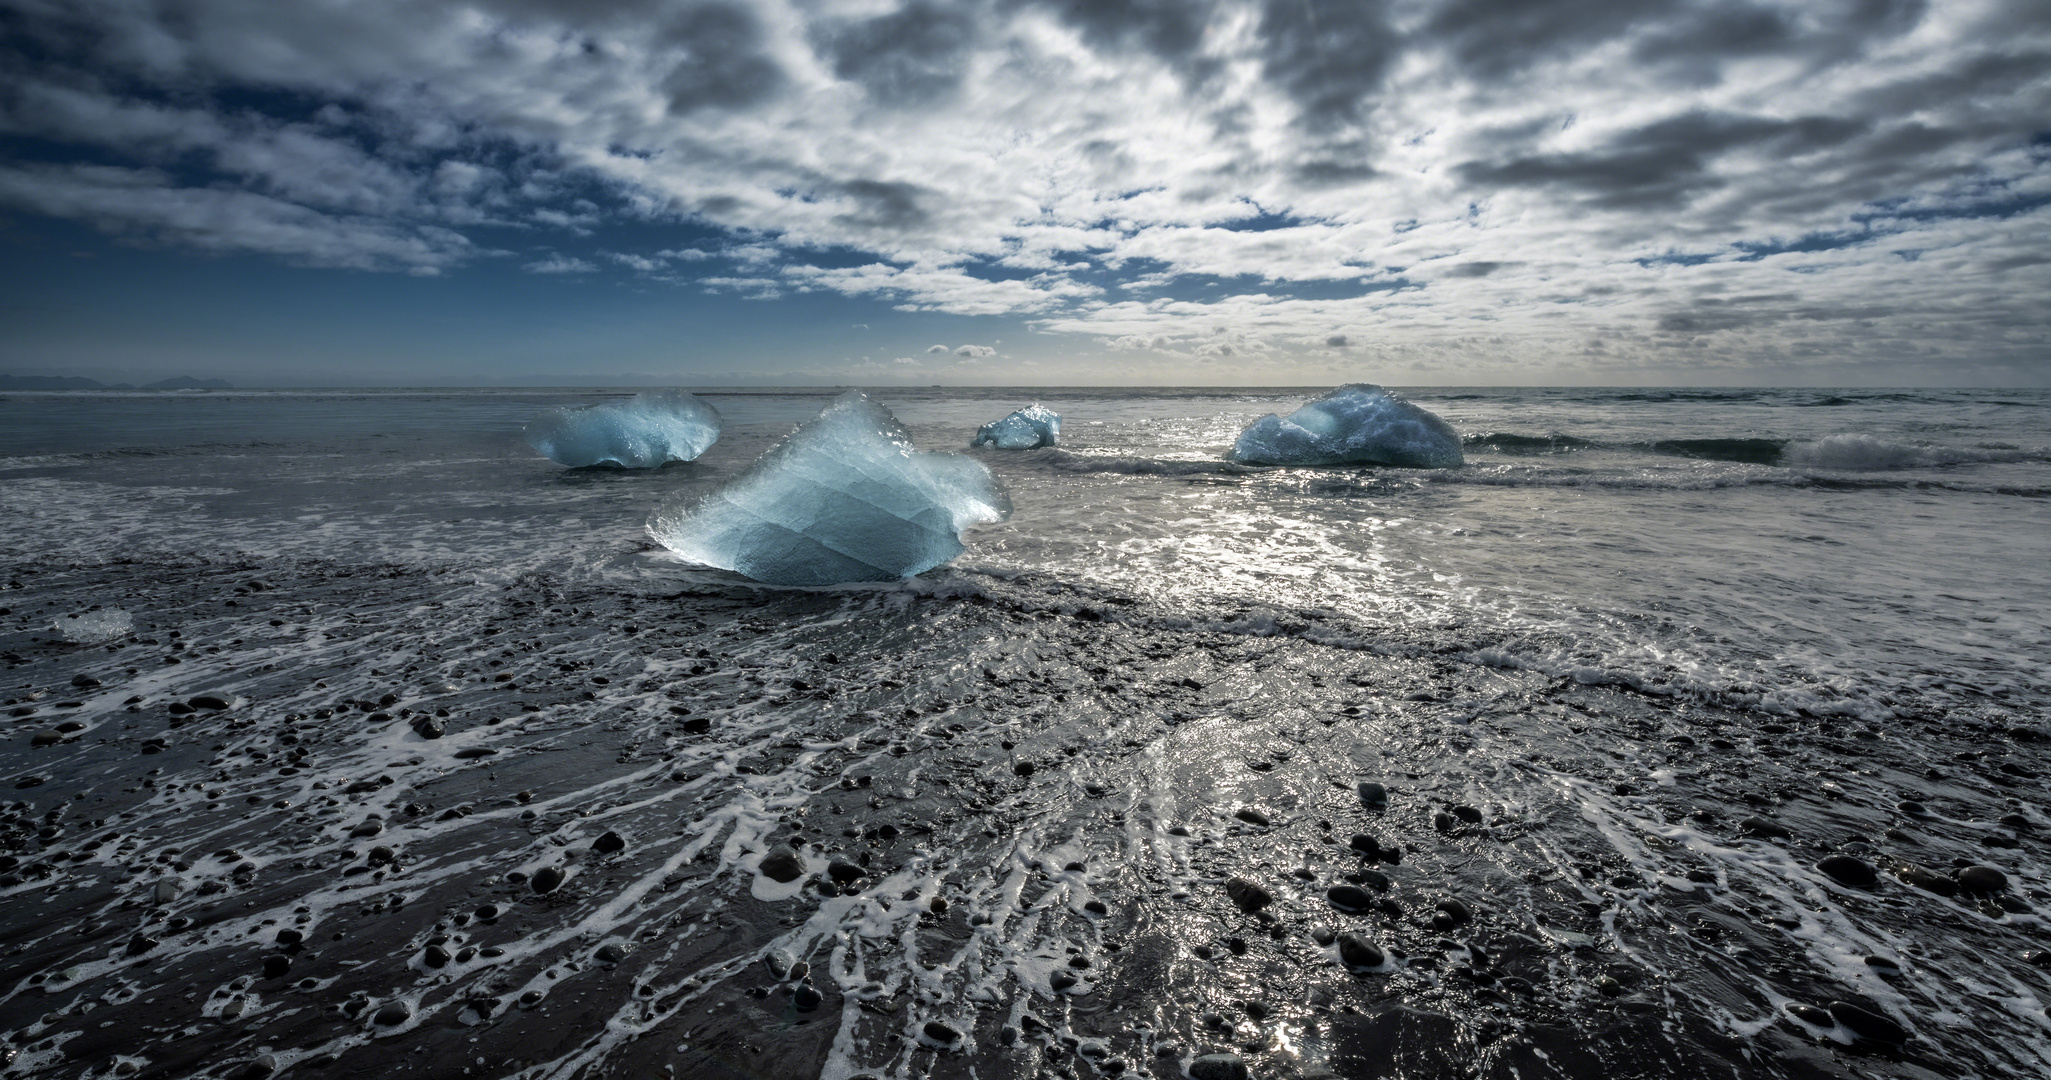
76 382
187 382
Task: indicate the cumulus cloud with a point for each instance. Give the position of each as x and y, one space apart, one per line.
975 352
1435 177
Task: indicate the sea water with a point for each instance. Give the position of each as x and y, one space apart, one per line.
1833 550
1631 678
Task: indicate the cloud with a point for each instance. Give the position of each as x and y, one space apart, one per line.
936 349
560 264
1431 176
975 352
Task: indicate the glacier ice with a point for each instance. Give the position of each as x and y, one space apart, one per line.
96 627
642 432
845 497
1029 428
1354 424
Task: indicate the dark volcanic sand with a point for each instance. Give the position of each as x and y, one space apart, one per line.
1038 798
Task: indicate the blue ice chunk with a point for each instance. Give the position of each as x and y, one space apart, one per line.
1027 429
640 433
845 497
1355 424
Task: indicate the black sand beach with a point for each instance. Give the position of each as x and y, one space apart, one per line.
334 820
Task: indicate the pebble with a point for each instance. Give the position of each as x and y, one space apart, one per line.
844 871
1373 795
1468 814
547 878
436 956
1249 896
1351 899
1912 808
610 843
1366 845
84 681
783 865
1453 912
46 738
1846 870
806 997
215 702
429 727
941 1033
610 953
1218 1067
1810 1014
1982 879
1868 1025
1766 827
474 752
275 966
393 1014
1928 881
1252 816
1358 952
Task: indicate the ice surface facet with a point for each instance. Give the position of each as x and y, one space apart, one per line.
845 498
96 627
645 431
1027 429
1355 424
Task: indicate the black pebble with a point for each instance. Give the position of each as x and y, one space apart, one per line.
1373 795
1767 827
1366 845
1349 898
275 966
395 1013
806 998
783 865
1249 896
1358 952
1252 816
1868 1025
1468 814
547 878
844 871
609 843
941 1033
1846 870
1982 879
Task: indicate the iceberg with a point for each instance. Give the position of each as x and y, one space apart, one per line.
645 431
96 627
846 497
1355 424
1027 429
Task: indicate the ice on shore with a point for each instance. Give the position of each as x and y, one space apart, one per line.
846 497
1354 424
1027 429
96 627
645 431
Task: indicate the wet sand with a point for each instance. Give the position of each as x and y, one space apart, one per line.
333 820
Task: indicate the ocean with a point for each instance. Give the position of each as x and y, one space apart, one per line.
1692 707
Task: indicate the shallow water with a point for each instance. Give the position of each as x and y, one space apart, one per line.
1613 638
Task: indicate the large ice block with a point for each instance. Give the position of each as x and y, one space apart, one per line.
642 432
1355 424
845 498
1027 429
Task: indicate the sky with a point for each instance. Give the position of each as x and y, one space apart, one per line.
1017 192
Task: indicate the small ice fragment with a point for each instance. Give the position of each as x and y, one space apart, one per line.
96 627
845 497
1027 429
642 432
1354 424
